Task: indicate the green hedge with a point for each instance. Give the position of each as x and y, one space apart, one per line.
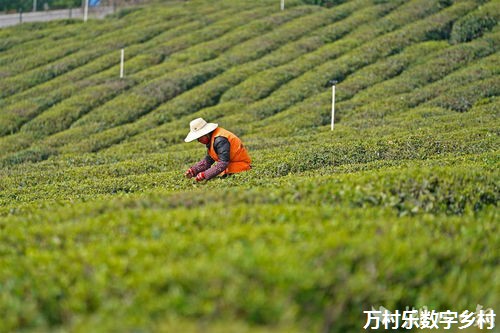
57 89
332 262
386 210
320 47
252 50
315 80
112 137
475 24
431 70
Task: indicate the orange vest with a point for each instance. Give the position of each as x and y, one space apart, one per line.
239 160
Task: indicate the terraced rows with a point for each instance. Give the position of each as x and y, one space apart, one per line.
100 231
86 71
342 38
42 124
410 9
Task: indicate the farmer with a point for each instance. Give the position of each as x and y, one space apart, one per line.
224 147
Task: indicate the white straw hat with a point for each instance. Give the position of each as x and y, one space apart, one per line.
199 127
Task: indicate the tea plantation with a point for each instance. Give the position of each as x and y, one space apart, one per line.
396 207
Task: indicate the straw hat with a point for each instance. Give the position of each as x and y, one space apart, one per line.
199 127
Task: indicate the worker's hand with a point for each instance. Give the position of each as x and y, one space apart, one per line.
200 177
190 173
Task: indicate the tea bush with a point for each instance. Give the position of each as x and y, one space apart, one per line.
53 98
338 69
436 68
247 51
261 84
476 23
101 231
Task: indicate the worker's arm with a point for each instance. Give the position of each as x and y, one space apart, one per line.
222 148
201 166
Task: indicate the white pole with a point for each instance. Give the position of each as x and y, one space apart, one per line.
282 4
34 5
333 105
86 11
121 63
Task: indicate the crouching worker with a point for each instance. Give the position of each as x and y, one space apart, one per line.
224 147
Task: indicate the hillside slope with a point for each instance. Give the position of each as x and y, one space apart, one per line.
396 207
